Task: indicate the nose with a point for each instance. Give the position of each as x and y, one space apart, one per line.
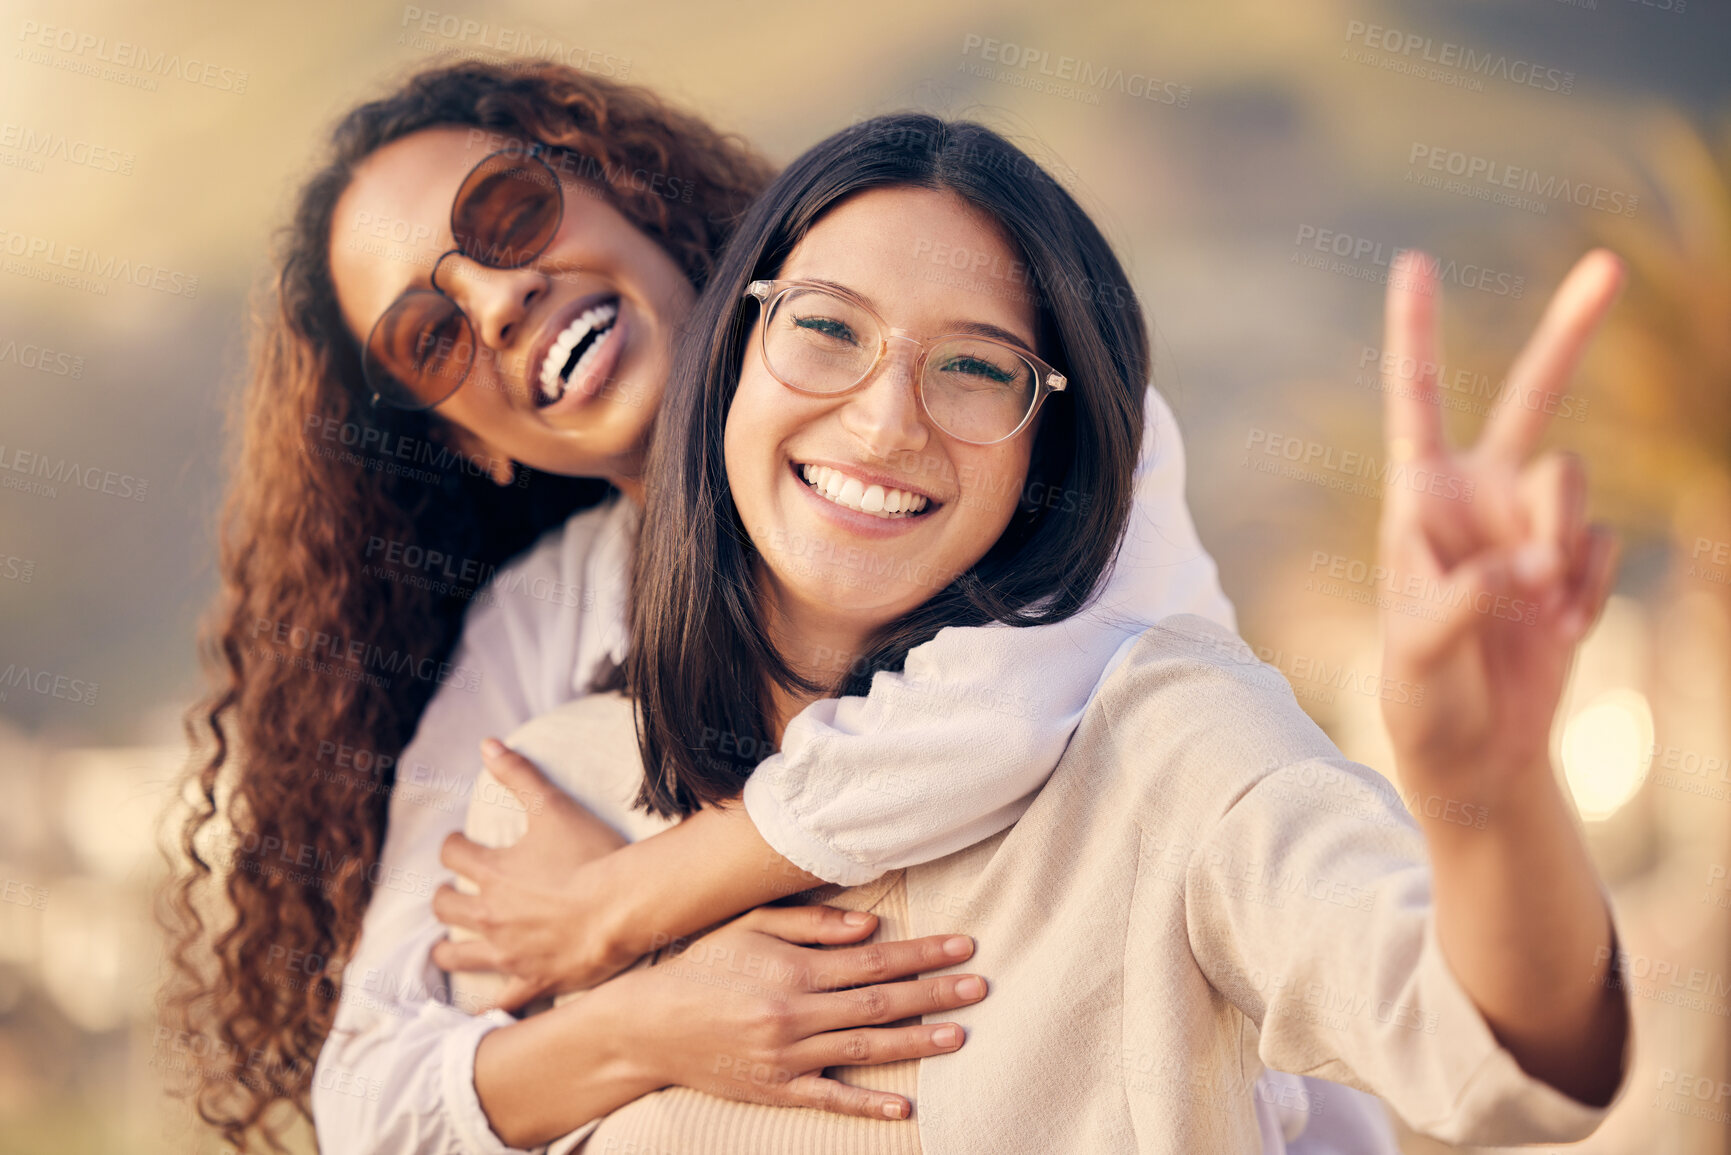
496 300
885 415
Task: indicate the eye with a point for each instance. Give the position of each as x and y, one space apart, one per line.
979 370
827 327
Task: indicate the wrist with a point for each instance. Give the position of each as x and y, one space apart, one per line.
1452 802
1519 826
616 918
539 1078
617 1022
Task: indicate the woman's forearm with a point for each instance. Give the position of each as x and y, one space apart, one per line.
551 1073
559 920
1524 927
710 867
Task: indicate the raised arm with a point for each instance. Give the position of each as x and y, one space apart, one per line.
1520 914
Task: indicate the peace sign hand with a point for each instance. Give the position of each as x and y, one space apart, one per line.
1496 573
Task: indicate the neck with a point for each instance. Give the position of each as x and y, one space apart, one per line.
631 486
818 643
626 473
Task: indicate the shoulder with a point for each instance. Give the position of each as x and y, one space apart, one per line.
1191 707
1186 654
588 747
557 568
529 622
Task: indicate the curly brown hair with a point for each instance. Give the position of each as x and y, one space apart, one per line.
277 851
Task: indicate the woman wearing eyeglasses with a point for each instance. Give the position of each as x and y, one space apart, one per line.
1206 885
454 363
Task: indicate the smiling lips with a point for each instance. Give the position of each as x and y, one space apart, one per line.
852 493
574 349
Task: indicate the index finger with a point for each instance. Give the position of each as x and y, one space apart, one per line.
464 855
882 962
515 773
1412 418
1549 358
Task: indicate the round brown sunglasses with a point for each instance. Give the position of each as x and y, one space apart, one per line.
505 214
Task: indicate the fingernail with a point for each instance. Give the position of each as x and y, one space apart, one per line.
971 988
491 747
959 946
947 1036
895 1110
856 918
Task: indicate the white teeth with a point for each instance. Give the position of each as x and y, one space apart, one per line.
855 494
552 383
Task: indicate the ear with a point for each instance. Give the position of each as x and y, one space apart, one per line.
480 453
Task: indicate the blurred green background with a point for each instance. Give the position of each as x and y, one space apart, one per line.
1255 163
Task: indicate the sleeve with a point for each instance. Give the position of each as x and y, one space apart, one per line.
397 1073
950 750
1309 909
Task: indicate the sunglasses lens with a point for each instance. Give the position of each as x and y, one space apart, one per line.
507 211
419 352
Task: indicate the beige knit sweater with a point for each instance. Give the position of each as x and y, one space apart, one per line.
1205 885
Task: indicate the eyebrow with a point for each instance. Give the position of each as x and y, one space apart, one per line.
973 328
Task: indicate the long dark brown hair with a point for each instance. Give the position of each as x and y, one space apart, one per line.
702 664
311 651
